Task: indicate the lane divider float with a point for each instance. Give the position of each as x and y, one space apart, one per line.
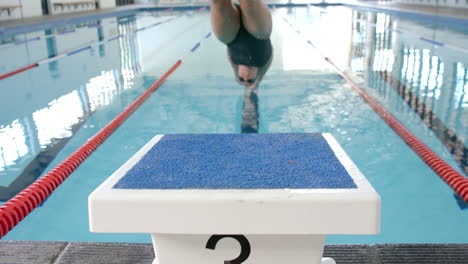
79 50
10 44
75 51
67 32
18 207
437 43
3 76
422 38
452 177
9 74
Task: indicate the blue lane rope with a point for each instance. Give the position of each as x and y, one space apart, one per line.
195 47
67 32
78 50
432 41
114 38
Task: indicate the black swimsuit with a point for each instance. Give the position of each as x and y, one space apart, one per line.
247 50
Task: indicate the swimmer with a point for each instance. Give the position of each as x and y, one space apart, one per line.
245 28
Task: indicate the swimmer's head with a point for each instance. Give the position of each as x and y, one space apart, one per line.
247 75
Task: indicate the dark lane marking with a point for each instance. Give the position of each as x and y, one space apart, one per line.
447 136
195 47
250 111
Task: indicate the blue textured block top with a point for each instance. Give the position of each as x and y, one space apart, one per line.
238 161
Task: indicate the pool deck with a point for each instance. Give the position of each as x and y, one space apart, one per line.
49 252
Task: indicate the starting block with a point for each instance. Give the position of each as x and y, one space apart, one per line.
237 198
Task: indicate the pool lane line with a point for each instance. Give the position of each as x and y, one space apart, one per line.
51 59
454 144
85 48
7 45
78 50
18 207
169 41
75 51
75 30
6 75
18 42
452 177
66 32
422 38
102 42
448 137
195 47
437 43
114 38
22 204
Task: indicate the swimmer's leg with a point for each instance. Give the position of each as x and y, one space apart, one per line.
224 20
256 18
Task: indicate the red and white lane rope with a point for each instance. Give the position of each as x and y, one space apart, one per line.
86 46
18 207
452 177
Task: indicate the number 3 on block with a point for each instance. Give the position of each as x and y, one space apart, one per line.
245 247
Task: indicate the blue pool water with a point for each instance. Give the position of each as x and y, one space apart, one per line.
49 111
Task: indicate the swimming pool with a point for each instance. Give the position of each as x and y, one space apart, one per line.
49 111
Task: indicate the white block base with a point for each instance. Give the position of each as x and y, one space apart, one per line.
255 249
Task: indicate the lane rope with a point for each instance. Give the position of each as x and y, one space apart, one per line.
452 177
75 29
422 38
85 47
18 207
72 52
6 75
